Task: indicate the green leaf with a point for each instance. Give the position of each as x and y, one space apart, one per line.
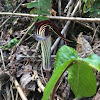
11 43
93 60
64 57
42 7
35 11
85 1
87 5
57 73
63 54
46 3
41 11
40 18
44 11
32 4
95 9
80 74
92 8
36 18
82 79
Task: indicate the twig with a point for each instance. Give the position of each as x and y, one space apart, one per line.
43 75
69 11
11 4
65 33
58 97
37 47
95 31
64 29
5 98
39 56
11 15
16 96
40 85
68 5
15 47
54 17
84 25
24 5
25 34
59 7
68 15
8 93
12 94
21 93
2 58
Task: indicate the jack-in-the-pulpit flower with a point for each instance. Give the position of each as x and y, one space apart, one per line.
42 33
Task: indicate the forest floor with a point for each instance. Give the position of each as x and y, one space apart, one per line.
21 60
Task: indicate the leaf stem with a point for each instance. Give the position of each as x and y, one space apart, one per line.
55 87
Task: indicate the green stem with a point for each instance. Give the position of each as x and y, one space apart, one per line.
55 87
46 53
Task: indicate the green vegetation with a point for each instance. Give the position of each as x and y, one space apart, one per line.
80 74
10 44
41 7
92 8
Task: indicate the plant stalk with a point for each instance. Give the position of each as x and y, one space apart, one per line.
46 55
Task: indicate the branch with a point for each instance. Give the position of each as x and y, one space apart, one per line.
40 85
2 57
54 17
21 93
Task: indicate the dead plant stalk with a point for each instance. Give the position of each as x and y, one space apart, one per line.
54 17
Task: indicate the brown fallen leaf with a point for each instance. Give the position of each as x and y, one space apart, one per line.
27 82
97 97
83 46
4 77
53 12
96 48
